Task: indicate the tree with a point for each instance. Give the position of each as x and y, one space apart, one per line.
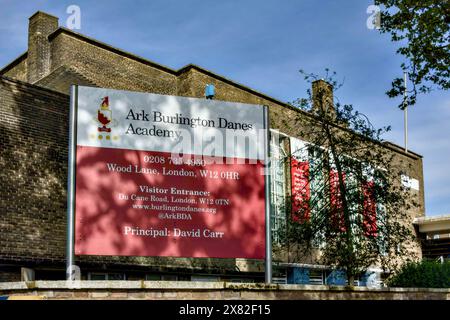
423 274
350 210
422 28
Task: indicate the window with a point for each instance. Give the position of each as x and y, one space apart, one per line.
277 188
321 190
106 276
163 277
316 277
169 277
279 280
318 193
205 278
152 277
98 276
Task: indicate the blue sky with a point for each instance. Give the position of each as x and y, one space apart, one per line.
263 44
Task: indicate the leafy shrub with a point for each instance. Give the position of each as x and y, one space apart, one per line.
424 274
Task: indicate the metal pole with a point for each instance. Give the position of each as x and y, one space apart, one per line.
405 108
268 262
70 256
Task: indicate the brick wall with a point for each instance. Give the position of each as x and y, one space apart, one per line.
107 69
33 157
40 26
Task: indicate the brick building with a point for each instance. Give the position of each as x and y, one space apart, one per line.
34 109
434 233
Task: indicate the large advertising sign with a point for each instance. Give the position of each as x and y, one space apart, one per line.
168 176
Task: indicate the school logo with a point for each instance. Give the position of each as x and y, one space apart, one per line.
104 116
105 121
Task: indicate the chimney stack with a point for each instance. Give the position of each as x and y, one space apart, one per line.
322 99
40 26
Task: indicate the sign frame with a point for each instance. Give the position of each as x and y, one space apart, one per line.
71 189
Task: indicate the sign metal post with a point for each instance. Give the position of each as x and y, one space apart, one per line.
268 260
70 256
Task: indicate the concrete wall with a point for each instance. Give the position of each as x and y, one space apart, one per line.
162 290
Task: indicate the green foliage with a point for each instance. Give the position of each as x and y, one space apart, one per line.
422 29
424 274
345 154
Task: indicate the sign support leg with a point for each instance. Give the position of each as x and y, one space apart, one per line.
70 256
268 261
